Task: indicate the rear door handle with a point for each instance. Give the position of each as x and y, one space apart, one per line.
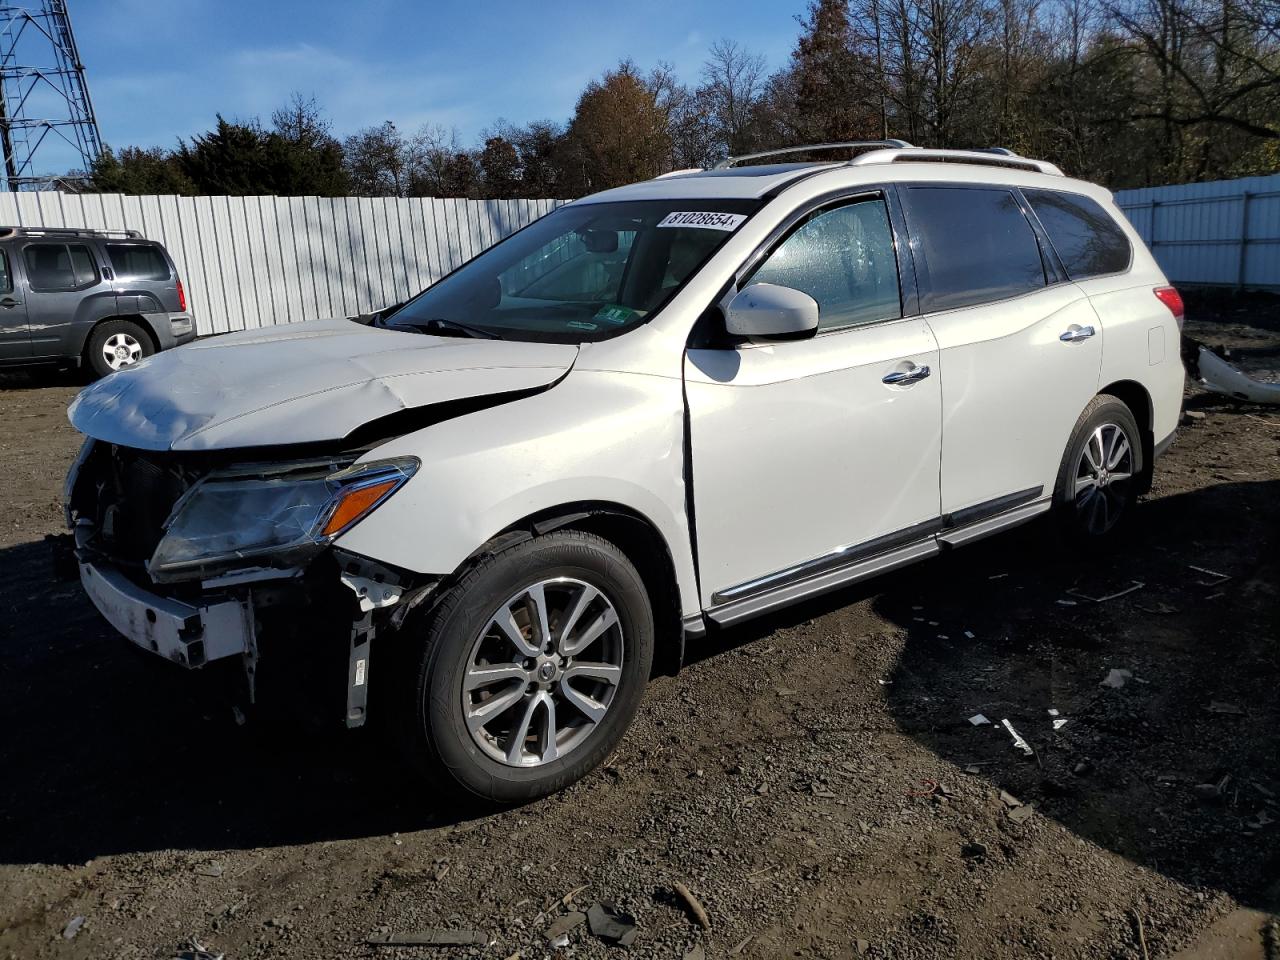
9 303
901 377
1076 333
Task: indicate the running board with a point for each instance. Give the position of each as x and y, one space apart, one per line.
732 612
955 536
864 561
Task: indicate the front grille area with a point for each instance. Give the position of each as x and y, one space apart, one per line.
127 495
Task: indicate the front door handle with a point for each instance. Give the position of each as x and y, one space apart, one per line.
900 377
1076 333
9 303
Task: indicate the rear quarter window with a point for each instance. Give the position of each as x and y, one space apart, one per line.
133 261
59 266
1088 241
978 246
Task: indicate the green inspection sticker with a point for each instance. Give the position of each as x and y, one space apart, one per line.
615 313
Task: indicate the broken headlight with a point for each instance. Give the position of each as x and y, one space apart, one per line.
272 516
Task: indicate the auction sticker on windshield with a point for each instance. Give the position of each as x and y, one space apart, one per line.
708 221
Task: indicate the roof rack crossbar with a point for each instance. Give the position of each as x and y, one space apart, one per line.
6 232
811 147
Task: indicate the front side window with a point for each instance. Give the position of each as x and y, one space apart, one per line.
978 246
59 266
132 261
6 278
1088 241
584 272
842 257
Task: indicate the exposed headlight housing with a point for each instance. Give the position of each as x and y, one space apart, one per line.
277 515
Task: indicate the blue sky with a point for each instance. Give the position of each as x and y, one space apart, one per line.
160 69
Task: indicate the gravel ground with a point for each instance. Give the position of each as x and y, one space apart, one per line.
814 779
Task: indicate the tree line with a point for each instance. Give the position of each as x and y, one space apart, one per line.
1123 92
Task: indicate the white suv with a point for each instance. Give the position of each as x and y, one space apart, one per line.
659 410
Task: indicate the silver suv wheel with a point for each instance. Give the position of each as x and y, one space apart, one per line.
543 672
121 350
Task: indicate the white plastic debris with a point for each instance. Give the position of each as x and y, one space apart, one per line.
1018 740
1059 723
1116 679
1053 711
1219 376
978 720
1133 585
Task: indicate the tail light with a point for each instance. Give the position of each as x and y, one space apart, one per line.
1172 299
182 298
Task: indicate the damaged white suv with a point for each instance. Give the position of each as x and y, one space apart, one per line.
660 409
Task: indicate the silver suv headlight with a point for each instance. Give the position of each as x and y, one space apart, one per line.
270 515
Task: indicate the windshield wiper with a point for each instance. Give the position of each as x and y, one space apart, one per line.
444 328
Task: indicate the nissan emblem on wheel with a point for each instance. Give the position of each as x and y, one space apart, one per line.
488 515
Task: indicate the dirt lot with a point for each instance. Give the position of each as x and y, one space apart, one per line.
813 779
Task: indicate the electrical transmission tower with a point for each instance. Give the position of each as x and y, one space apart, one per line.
47 125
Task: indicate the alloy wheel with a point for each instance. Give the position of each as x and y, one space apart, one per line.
1103 477
543 672
121 350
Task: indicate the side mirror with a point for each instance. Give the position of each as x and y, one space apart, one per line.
768 311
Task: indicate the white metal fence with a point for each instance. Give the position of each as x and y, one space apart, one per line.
251 262
1225 233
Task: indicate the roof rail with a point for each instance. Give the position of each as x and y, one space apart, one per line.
989 157
7 232
811 147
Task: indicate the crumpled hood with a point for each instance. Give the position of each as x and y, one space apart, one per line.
299 383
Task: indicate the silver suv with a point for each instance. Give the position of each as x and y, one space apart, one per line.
99 299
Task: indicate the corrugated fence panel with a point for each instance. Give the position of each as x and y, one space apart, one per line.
1225 233
248 262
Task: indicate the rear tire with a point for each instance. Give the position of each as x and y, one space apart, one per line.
116 344
1099 479
510 713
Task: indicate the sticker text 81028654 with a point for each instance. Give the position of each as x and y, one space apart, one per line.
707 221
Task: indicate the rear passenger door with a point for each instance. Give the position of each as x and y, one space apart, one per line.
15 338
65 295
1020 347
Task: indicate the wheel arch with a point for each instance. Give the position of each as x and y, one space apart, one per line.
636 536
134 318
1138 399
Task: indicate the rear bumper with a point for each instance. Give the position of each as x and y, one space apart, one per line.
189 635
172 329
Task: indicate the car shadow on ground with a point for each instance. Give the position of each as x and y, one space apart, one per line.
1177 769
110 752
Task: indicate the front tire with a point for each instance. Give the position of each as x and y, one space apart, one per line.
1098 480
533 666
116 344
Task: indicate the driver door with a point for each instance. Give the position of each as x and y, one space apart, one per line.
815 461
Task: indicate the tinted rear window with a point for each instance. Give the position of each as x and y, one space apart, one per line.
1089 242
59 266
977 244
134 262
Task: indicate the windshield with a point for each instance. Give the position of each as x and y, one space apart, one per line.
584 272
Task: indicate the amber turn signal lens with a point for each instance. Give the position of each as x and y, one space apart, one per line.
355 503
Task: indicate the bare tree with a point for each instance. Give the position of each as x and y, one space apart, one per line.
733 81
